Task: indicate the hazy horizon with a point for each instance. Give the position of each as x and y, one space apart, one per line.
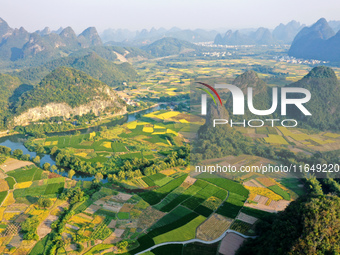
190 14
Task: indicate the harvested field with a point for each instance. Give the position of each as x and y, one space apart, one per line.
126 208
92 209
149 217
3 185
230 244
112 224
266 181
190 180
246 218
119 232
45 227
253 183
12 164
213 227
122 197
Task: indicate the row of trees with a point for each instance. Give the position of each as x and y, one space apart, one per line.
118 168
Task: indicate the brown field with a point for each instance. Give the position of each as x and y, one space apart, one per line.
266 181
122 197
230 244
190 180
3 185
126 208
12 164
253 183
213 227
45 227
149 217
246 218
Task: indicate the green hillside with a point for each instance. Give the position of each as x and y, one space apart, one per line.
168 46
324 104
99 68
63 85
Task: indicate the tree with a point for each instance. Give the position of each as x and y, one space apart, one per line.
99 177
44 202
54 150
54 168
36 160
122 245
71 173
46 166
17 153
26 157
29 227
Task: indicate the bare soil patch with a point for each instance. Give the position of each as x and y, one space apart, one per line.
12 164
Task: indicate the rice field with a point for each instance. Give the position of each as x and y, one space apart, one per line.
275 139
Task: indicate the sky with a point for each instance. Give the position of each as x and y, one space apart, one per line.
185 14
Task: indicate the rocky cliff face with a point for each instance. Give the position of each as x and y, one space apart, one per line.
97 106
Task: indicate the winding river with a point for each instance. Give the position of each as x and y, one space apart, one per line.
17 141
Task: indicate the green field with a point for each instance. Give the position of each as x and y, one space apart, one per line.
192 190
186 232
155 196
54 188
3 195
25 175
173 216
295 185
10 182
123 215
232 205
119 147
255 213
285 195
229 185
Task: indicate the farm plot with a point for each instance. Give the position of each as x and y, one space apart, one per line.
170 197
174 215
186 232
12 164
11 182
3 185
275 139
230 244
188 193
284 194
149 217
3 195
25 175
229 185
231 206
119 147
213 227
242 227
200 196
155 196
54 188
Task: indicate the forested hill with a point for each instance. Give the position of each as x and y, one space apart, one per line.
168 46
64 85
261 94
8 86
99 68
324 105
